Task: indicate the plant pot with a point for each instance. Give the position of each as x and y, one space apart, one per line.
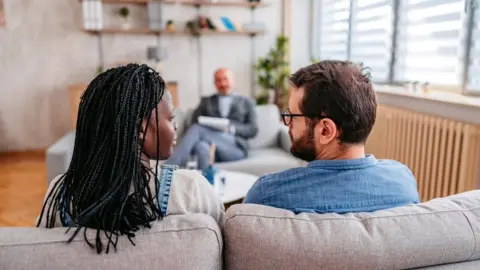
126 23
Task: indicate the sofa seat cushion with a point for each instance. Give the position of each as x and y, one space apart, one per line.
176 242
262 161
438 232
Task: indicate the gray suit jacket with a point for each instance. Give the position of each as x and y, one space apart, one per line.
242 116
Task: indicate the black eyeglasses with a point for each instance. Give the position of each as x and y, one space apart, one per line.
288 117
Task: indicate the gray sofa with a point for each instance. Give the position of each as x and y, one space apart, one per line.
440 234
269 150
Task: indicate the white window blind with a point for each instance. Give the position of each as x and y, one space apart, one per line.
333 24
371 36
473 81
429 41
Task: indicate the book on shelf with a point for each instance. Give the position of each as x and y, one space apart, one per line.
92 14
225 24
228 24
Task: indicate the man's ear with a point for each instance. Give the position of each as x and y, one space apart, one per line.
325 131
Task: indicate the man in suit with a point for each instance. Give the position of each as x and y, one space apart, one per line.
230 144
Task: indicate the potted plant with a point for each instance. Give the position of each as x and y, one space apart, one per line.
170 26
124 12
272 73
192 27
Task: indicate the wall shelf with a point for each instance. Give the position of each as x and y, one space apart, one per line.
156 24
189 3
219 4
147 31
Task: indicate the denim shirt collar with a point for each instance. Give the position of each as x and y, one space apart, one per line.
367 161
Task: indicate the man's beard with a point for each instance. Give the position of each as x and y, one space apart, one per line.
304 147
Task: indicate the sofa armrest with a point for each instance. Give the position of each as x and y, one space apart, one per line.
59 155
284 139
181 121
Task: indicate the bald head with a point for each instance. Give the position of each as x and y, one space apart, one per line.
223 81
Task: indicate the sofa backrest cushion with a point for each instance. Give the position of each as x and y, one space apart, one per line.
268 121
176 242
438 232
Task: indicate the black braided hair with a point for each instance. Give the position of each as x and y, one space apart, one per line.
106 185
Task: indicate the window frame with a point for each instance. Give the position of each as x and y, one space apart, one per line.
471 6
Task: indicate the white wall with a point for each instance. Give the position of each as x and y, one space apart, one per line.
43 50
300 34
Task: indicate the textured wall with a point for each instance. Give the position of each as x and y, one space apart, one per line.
43 50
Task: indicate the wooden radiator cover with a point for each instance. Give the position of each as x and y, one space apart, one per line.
443 154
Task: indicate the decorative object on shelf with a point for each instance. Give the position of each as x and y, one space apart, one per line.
203 22
415 86
170 27
99 70
425 87
228 24
124 12
272 72
3 18
407 86
92 14
154 11
192 27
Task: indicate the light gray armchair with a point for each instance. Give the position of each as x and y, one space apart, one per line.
59 155
269 150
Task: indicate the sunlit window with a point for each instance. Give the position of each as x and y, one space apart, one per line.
430 41
371 36
473 80
333 22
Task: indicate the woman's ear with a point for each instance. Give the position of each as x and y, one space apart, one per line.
325 131
143 126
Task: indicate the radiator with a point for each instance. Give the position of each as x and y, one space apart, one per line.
443 154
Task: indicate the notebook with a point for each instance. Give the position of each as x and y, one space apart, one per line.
214 122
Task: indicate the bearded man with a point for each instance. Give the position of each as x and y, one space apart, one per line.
331 111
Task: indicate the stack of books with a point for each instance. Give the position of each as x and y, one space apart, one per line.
92 14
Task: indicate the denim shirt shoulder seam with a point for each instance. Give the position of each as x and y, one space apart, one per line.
356 205
262 188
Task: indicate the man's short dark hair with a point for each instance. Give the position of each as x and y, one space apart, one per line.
341 91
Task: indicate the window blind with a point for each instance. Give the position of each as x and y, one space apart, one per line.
371 36
430 43
473 79
333 24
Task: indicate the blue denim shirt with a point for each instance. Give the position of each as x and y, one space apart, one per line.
339 186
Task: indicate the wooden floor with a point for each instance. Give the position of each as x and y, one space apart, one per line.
22 188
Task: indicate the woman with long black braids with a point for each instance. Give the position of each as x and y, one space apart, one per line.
125 119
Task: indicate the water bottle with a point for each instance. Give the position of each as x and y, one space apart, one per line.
209 173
